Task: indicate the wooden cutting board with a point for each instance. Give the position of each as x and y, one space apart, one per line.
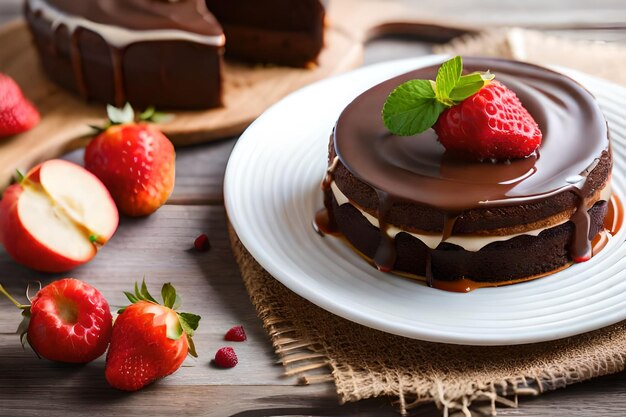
248 89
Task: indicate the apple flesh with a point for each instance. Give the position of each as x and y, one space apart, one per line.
57 217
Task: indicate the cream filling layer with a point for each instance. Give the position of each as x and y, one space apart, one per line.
471 243
116 36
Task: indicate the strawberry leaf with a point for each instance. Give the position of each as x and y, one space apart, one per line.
131 297
168 293
147 114
120 116
100 129
19 176
192 348
189 322
159 117
411 108
145 293
22 329
151 115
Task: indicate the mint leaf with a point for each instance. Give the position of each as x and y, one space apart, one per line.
447 77
411 108
468 85
415 105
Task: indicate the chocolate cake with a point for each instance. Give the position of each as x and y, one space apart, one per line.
411 207
166 53
284 32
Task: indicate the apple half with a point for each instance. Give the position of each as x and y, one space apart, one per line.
57 217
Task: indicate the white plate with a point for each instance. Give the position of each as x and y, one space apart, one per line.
272 193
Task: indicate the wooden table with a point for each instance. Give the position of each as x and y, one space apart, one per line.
159 249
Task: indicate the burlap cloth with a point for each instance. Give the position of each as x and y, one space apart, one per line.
363 363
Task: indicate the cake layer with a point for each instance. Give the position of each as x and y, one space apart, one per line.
501 261
166 54
422 216
470 242
284 32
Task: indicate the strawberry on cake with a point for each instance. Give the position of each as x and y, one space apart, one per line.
471 177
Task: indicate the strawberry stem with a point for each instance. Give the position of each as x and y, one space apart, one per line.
13 300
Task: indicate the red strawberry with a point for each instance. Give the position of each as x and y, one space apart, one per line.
135 161
202 243
17 114
150 340
236 334
226 358
67 321
491 124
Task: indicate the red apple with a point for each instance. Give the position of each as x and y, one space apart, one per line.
56 217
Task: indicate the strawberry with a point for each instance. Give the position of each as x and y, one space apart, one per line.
236 334
226 358
67 321
17 114
202 243
471 114
491 124
135 161
149 340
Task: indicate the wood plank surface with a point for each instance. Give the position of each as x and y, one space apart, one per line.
159 248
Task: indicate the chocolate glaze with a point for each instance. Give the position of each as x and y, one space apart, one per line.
418 171
186 15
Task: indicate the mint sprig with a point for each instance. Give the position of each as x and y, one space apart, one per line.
415 105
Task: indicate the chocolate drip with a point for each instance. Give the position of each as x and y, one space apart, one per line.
428 269
385 257
581 245
117 55
77 65
324 222
448 225
417 170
